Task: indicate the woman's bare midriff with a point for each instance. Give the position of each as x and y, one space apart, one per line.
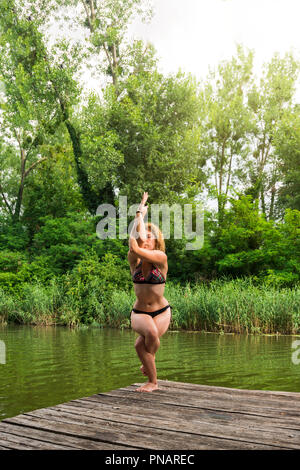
149 297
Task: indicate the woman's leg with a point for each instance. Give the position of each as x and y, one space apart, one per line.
147 344
162 322
147 359
145 326
141 350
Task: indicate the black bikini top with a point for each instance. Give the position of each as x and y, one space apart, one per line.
154 277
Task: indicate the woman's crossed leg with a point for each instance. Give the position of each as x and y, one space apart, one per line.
146 345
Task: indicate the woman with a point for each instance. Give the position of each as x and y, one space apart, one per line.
151 313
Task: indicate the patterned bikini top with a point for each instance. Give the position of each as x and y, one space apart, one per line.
154 277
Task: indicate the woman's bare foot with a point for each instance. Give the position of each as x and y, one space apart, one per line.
148 387
143 370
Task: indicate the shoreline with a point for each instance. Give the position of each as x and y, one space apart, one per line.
182 330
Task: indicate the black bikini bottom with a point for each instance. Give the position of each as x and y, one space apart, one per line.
155 312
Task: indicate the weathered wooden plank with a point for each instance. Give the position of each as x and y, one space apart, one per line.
15 445
139 436
53 437
261 402
146 408
30 442
225 390
210 405
267 397
70 429
4 448
189 400
20 442
171 412
195 426
199 401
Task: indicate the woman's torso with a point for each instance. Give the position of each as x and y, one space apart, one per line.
149 296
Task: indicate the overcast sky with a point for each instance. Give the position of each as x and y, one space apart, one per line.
196 34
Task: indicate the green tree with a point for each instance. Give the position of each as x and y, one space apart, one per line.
281 250
105 24
31 112
157 122
271 103
116 57
50 194
240 238
226 125
287 150
99 144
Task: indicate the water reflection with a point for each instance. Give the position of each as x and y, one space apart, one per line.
50 365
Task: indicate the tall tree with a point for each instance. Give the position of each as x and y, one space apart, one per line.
107 22
270 103
116 57
157 122
226 124
287 150
31 112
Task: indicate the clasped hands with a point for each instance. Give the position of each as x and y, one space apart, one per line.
143 210
142 206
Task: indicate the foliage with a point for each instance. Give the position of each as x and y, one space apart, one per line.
33 79
287 148
156 122
91 284
271 103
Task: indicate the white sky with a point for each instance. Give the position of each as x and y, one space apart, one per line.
195 34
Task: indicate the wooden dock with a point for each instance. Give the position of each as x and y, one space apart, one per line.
178 416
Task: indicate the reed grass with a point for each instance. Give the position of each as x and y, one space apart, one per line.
236 306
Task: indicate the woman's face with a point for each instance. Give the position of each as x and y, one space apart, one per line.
149 244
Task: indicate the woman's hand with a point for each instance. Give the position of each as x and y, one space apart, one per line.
144 198
142 206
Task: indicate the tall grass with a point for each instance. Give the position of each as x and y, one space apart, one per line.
236 306
37 304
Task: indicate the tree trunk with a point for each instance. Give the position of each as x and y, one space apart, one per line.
17 210
273 192
262 198
88 194
220 195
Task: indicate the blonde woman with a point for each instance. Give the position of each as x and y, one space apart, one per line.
151 313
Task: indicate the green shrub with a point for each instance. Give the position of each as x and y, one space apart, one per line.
91 284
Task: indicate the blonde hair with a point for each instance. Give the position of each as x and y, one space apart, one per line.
159 238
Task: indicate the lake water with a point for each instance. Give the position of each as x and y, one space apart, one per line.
45 366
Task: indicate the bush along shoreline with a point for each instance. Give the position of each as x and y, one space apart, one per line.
234 306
